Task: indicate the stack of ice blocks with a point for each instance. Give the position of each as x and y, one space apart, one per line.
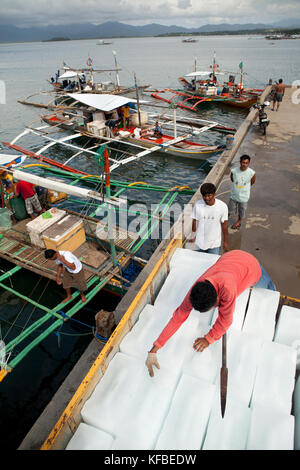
179 408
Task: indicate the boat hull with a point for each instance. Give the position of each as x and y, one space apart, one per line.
188 149
185 149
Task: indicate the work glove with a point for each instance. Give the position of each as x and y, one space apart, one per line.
150 362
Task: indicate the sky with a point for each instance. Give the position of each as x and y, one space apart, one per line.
187 13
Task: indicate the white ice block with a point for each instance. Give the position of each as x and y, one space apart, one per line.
149 325
175 288
89 438
147 329
206 364
296 404
261 313
275 379
128 402
297 432
231 431
270 429
243 352
128 442
185 425
186 257
288 329
239 311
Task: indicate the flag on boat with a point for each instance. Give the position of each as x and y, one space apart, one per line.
241 65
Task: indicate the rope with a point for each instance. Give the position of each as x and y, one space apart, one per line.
58 333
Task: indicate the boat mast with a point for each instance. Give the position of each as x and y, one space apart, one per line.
241 80
138 100
109 220
117 73
214 65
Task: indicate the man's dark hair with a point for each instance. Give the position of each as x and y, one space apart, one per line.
203 296
49 254
208 188
245 157
280 80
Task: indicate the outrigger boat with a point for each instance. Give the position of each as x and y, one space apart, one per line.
138 132
82 79
191 100
204 88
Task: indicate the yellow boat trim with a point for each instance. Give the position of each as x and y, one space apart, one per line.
137 182
115 338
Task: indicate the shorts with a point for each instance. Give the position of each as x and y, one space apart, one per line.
213 251
278 97
235 207
74 280
32 204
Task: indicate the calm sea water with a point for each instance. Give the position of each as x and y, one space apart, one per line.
25 69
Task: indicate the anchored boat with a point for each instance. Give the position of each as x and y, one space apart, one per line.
105 125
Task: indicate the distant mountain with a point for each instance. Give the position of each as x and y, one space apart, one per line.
231 27
289 23
110 29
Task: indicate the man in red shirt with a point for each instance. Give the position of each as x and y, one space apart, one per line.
220 285
30 197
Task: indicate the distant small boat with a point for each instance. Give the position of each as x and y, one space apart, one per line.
190 40
102 42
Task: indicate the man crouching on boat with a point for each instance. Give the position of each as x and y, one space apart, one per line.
73 275
219 286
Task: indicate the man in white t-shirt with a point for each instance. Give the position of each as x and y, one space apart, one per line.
73 274
210 222
242 178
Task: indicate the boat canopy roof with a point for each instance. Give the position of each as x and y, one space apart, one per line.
70 74
203 73
104 102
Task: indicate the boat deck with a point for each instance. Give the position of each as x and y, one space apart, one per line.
16 247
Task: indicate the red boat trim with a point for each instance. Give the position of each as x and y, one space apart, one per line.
43 159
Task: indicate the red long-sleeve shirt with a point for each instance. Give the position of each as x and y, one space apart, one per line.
234 272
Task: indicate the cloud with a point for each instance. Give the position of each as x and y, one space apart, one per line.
181 12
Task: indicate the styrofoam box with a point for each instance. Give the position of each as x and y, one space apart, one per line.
37 226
